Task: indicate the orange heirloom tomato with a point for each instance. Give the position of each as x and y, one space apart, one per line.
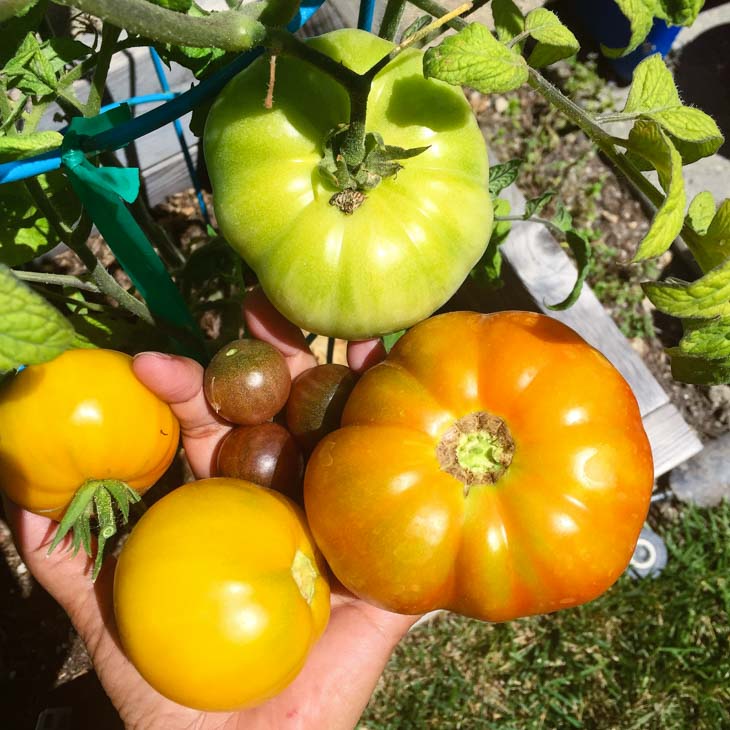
220 594
83 415
495 465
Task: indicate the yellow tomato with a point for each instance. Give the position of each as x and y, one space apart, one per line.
83 415
219 594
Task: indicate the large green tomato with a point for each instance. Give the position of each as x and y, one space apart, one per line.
407 248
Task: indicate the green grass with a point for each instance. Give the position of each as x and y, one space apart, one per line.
649 654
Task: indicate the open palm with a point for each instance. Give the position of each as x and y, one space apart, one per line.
336 682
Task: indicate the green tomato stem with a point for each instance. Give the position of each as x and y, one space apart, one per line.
99 498
356 85
392 16
37 277
109 36
229 30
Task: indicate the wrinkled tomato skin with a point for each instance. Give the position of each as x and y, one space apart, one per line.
557 528
83 415
399 256
205 597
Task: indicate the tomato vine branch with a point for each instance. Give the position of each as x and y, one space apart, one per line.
40 277
229 30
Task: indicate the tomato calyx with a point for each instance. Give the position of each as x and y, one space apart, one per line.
305 574
477 449
99 498
353 178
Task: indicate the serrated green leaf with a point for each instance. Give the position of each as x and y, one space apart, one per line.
640 14
24 231
534 206
562 218
474 57
707 297
15 30
488 269
715 243
654 95
17 146
697 370
581 250
503 175
649 140
707 338
508 19
60 52
701 211
554 40
679 12
31 330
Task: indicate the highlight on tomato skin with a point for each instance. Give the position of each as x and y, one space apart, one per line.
494 464
340 268
220 594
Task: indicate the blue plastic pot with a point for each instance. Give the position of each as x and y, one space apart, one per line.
607 24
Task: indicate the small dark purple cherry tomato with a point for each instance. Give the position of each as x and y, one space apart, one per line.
316 402
247 382
264 454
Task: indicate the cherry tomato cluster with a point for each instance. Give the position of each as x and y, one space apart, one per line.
248 383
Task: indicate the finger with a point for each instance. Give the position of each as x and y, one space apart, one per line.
179 382
266 323
363 354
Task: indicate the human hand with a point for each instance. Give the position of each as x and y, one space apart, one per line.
340 674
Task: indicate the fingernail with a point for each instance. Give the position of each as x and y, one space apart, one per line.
157 355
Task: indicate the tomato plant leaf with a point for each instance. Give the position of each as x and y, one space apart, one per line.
16 29
503 175
715 244
554 40
706 338
562 218
390 339
581 250
508 19
534 206
649 141
640 14
707 297
31 330
474 57
488 270
679 12
701 211
16 146
698 370
654 95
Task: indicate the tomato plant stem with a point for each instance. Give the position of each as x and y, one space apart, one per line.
109 37
40 277
230 30
76 240
356 85
556 230
391 19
